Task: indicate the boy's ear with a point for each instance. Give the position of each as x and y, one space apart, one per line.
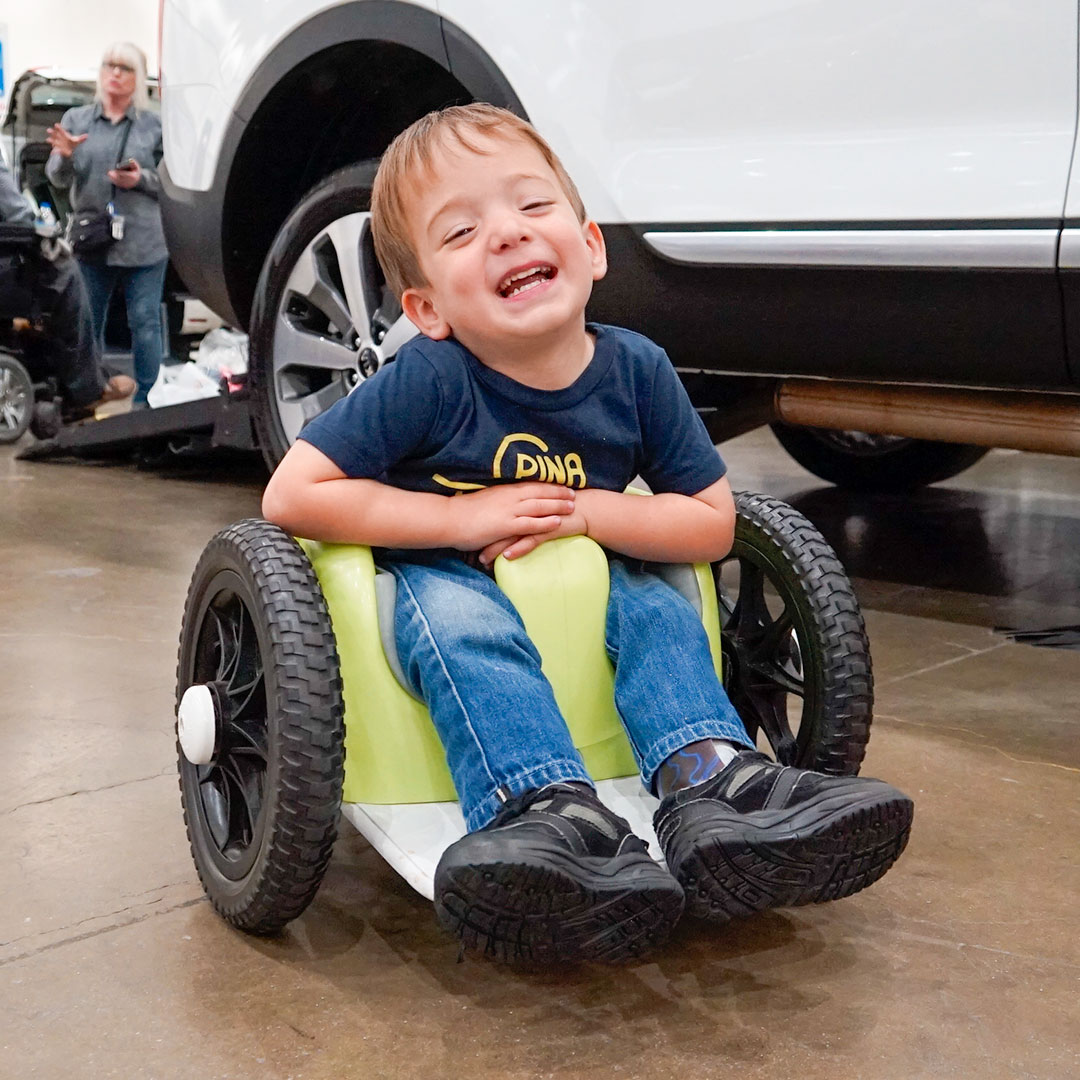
594 238
417 305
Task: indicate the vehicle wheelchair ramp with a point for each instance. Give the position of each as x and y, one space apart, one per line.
201 424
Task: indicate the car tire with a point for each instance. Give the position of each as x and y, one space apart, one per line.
322 319
16 399
860 461
792 631
262 808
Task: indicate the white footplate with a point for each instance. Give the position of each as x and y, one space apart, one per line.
411 837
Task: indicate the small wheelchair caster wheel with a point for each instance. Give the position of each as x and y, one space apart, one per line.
46 421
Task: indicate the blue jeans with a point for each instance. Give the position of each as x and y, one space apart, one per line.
464 650
142 287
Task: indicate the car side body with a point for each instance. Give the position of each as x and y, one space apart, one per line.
825 190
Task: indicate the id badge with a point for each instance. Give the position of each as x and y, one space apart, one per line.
118 227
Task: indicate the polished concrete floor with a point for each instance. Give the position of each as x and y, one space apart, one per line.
964 961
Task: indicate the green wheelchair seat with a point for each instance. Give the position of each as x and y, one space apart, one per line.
560 589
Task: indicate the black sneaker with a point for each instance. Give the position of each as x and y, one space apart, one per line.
760 835
555 877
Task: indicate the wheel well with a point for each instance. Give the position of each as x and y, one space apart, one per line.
341 105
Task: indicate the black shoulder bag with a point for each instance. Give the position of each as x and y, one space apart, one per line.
93 232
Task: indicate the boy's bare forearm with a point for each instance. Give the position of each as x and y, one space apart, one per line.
309 496
660 528
350 511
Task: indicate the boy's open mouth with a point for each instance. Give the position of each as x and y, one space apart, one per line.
522 280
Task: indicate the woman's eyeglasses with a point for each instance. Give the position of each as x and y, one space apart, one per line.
124 69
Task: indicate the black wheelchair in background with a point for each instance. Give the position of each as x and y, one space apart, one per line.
29 397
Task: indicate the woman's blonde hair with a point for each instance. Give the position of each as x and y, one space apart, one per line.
411 155
124 52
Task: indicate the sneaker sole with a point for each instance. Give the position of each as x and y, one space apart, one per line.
553 913
821 853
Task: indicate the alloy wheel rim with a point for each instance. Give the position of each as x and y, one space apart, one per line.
14 398
336 325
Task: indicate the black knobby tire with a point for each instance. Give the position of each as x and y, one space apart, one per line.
281 404
262 816
863 462
796 657
16 399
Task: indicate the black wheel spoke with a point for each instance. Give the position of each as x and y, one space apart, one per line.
246 675
773 675
768 653
221 646
763 644
231 787
251 714
751 611
796 660
776 641
247 742
726 605
215 802
242 758
235 630
768 707
225 629
246 695
242 813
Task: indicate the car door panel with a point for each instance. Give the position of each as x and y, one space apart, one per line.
823 187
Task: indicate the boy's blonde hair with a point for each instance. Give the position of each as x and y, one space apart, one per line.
411 155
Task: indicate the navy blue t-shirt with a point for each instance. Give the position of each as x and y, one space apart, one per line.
438 420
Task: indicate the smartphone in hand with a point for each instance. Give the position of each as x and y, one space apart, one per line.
127 166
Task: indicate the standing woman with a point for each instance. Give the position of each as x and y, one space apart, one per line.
108 153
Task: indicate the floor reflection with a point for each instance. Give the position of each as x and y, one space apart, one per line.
997 545
933 539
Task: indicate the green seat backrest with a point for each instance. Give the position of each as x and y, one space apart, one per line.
392 752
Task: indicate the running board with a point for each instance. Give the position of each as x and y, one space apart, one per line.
411 837
1044 423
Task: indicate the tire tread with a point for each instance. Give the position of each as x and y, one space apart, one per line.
838 644
302 673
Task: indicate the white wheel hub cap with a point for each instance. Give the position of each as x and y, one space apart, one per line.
196 724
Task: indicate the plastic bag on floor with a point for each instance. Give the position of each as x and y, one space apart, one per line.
177 383
222 354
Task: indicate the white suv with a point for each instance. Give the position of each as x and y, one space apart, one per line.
853 216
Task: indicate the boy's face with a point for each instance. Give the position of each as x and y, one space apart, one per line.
506 259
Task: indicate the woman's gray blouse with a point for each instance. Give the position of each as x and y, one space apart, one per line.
85 172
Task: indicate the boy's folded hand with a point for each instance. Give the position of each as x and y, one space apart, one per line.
513 547
482 518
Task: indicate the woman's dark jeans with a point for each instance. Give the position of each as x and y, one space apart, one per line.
143 286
